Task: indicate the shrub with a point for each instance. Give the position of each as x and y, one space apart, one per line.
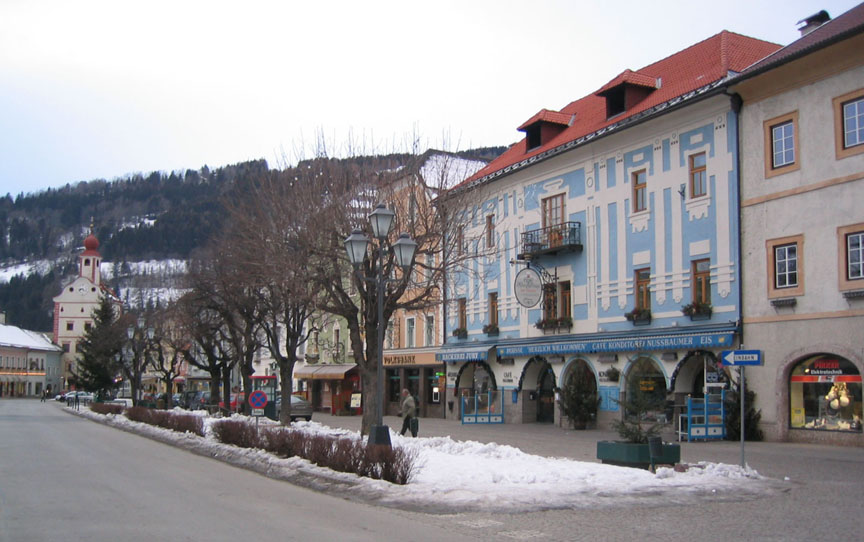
238 433
181 423
394 465
282 442
106 408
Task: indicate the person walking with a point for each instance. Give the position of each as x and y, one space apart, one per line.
77 402
409 414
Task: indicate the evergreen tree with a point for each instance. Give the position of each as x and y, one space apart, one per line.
97 367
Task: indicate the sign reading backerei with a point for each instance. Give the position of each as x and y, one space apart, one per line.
710 340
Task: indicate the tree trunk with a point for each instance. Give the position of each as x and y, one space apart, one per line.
286 370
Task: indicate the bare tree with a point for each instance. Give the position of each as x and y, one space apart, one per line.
166 354
225 287
203 327
271 238
346 191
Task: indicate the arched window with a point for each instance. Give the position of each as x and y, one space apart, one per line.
825 394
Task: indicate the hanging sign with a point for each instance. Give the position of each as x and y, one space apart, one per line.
528 287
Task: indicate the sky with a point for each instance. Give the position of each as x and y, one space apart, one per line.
488 476
100 89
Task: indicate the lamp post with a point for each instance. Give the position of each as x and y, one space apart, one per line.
356 244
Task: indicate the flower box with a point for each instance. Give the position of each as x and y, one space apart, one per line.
460 333
490 329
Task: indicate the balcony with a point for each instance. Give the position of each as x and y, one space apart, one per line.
563 237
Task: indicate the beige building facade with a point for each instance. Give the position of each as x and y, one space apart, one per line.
802 228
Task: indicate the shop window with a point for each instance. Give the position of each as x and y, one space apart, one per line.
643 293
850 251
640 192
698 175
646 385
393 385
413 378
825 394
849 123
785 258
701 287
781 145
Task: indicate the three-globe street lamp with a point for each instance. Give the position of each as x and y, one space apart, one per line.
356 244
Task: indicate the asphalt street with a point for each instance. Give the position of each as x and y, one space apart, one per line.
64 477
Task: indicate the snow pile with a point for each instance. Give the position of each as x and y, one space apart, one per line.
459 476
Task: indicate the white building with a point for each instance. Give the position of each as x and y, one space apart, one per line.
29 363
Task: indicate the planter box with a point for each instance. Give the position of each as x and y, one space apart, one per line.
627 454
695 317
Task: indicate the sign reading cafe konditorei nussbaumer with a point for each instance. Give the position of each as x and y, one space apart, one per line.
666 342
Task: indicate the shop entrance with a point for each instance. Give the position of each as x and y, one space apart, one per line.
546 396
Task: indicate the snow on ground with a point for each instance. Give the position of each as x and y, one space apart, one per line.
458 476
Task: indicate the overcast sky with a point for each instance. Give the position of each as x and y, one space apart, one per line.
100 89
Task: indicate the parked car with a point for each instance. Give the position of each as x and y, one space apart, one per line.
84 397
236 402
197 400
300 408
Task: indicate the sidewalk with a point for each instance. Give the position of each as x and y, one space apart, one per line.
773 459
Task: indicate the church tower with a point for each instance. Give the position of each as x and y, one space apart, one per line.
75 305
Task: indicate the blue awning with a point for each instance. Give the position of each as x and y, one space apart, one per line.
454 355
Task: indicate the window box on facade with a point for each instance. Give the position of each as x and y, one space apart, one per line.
554 324
639 316
490 329
460 333
697 310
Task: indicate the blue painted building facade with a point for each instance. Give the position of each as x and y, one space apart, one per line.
623 208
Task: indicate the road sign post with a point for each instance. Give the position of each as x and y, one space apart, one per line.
257 400
741 358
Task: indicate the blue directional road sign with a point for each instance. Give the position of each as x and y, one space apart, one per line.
741 357
258 399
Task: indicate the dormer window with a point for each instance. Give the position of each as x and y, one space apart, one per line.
615 101
626 91
544 127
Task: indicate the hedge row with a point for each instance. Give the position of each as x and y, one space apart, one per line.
181 423
395 465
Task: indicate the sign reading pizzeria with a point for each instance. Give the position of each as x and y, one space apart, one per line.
528 287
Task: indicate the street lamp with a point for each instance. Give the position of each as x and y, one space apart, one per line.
356 245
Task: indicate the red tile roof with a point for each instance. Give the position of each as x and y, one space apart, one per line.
844 26
545 115
632 78
696 67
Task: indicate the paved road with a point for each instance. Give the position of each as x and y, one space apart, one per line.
65 477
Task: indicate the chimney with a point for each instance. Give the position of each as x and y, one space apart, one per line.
813 22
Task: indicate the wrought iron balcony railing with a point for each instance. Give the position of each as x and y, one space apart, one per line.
566 236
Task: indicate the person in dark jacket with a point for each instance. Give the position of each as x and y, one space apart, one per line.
409 414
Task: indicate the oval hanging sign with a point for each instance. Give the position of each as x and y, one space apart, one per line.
528 287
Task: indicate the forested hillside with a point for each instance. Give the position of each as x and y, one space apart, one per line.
158 216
